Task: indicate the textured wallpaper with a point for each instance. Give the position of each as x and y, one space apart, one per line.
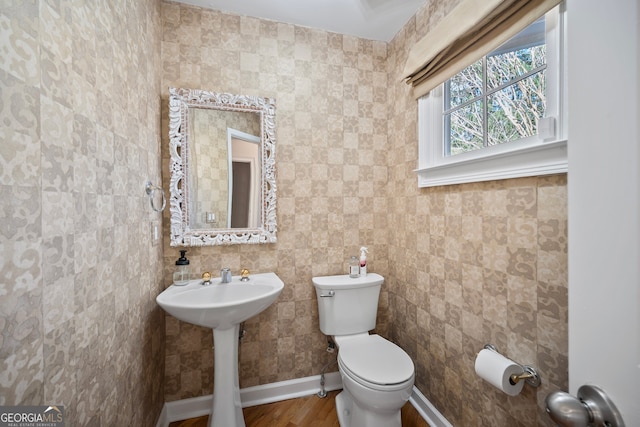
473 264
465 265
79 132
331 159
84 89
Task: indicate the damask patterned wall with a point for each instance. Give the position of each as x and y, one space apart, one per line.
331 113
79 137
465 265
470 265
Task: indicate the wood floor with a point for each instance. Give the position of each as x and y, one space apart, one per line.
310 411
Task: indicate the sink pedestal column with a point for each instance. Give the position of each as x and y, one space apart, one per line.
227 407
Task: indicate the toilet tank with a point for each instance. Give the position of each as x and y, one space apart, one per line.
347 306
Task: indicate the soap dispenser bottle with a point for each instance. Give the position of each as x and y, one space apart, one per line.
183 273
363 261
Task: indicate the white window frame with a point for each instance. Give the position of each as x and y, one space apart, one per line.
542 154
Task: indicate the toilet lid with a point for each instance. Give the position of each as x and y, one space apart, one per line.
376 360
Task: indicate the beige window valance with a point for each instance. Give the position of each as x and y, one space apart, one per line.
470 31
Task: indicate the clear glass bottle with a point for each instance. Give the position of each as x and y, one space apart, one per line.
354 267
182 275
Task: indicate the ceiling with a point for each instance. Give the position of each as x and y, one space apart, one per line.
369 19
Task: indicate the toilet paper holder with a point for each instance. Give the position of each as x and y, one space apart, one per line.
529 373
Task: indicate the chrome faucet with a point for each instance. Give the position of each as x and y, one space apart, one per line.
225 275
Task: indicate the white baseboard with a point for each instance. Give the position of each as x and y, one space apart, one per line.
250 396
163 421
284 390
427 411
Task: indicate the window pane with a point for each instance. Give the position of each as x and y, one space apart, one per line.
465 129
513 112
464 86
509 65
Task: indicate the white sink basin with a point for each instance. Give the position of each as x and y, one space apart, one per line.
221 306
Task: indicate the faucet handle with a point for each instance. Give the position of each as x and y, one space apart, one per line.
245 275
206 278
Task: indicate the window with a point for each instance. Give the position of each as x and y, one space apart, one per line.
501 117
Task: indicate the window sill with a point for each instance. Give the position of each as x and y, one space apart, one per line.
546 159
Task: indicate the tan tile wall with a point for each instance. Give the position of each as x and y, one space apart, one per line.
79 132
473 264
331 113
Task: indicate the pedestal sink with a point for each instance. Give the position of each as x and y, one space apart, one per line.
223 307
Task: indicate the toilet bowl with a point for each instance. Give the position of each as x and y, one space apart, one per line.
377 380
377 375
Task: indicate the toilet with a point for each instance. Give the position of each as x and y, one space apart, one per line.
377 375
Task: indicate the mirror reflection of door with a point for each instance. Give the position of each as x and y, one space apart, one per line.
241 195
244 180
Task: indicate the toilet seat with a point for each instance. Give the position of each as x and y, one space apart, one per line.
375 362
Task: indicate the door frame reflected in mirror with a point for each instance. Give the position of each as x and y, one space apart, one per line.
235 137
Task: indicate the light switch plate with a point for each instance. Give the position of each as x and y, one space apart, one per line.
155 232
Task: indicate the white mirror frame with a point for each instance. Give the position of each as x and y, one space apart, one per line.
180 100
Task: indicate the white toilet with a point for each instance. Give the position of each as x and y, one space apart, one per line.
377 375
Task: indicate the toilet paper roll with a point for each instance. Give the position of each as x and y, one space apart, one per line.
496 370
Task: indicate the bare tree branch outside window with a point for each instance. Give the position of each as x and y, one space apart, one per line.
495 100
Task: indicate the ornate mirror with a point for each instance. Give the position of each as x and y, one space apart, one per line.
222 168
